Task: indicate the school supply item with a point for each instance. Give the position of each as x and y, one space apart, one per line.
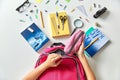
82 9
57 16
78 24
38 1
63 19
41 17
100 12
97 24
68 1
23 6
59 24
94 41
74 42
70 65
91 43
35 37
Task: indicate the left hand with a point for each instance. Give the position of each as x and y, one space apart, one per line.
52 60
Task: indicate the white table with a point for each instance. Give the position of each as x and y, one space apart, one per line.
17 57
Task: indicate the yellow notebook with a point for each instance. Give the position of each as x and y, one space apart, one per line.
59 24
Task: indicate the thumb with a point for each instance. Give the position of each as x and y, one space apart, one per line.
81 49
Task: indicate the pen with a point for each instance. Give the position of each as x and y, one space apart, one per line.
91 43
57 16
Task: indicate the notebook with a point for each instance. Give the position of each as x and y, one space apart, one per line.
35 37
63 29
94 41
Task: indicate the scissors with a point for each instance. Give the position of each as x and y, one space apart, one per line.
63 19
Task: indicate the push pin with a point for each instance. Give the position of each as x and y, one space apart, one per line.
99 12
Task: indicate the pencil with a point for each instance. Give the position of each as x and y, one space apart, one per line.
91 43
42 19
54 25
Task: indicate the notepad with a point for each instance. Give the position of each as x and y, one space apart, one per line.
63 29
35 37
94 34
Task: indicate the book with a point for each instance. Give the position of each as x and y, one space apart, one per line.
94 41
35 37
59 24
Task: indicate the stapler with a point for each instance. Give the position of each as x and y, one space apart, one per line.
99 12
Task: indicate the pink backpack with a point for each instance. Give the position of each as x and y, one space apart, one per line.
70 68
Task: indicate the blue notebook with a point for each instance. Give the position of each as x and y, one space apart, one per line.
98 40
35 37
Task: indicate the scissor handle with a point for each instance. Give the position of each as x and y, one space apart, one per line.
63 17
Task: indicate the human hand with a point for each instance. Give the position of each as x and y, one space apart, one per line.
81 50
53 60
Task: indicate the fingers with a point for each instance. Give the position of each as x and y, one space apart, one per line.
58 62
56 59
81 49
82 45
54 56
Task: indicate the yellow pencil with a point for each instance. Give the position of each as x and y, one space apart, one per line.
42 19
91 43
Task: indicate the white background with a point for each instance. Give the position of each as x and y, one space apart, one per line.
17 57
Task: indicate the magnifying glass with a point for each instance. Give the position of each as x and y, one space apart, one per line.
78 24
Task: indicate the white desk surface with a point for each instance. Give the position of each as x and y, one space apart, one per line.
17 57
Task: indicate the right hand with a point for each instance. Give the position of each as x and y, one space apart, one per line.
81 50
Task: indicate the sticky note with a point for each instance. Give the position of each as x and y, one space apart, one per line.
68 0
38 1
